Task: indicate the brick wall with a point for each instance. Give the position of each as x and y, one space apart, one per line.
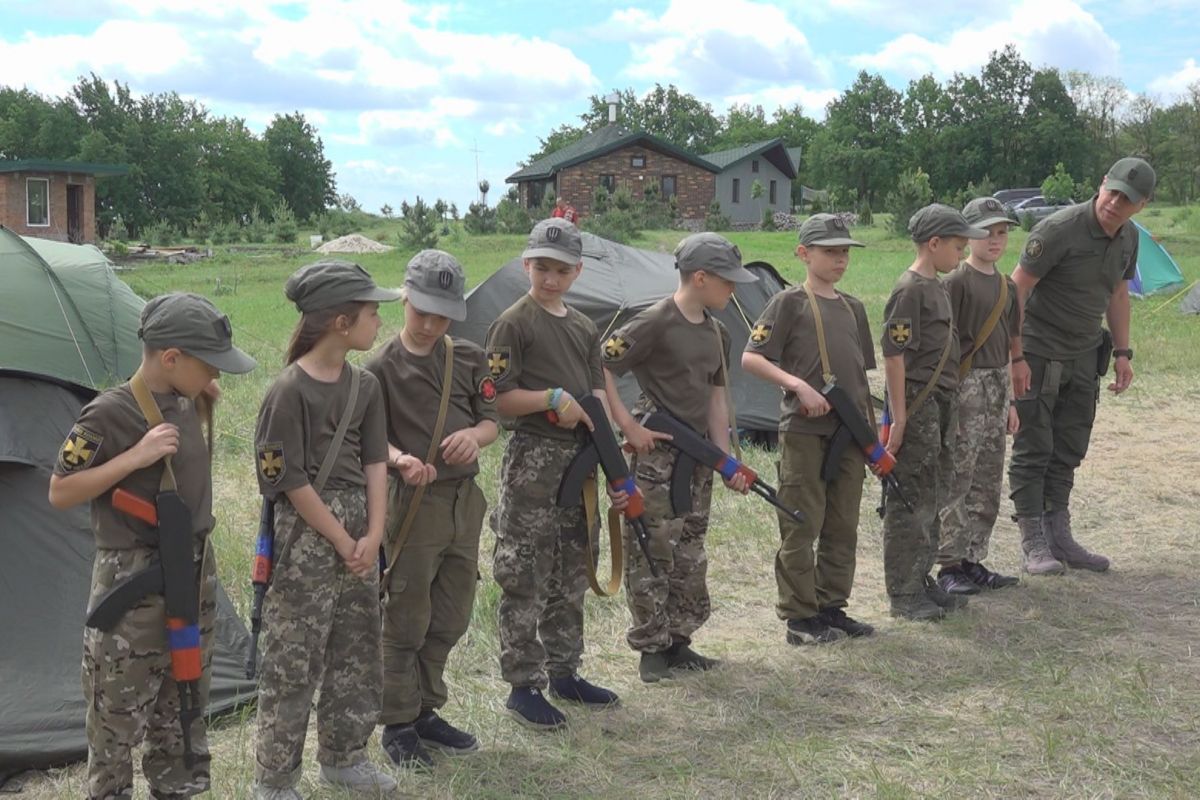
13 211
694 187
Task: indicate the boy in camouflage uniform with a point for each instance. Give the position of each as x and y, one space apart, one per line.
432 552
127 680
542 354
981 297
676 349
785 348
920 350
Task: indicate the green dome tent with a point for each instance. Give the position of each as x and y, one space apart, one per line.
68 328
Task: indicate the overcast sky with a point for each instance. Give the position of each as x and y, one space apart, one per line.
404 94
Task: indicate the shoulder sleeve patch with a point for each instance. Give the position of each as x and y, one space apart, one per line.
899 331
617 346
499 358
271 462
79 449
760 334
1033 248
487 389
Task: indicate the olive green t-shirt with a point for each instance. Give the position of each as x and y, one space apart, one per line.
917 323
530 348
296 423
676 362
412 392
111 424
786 333
1078 267
973 295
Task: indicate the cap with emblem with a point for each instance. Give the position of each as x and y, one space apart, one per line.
557 239
941 220
192 324
326 284
712 253
826 230
435 284
1133 178
984 212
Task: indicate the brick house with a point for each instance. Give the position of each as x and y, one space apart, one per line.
51 199
614 156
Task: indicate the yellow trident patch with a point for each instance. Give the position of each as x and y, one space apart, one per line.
760 334
615 347
271 464
498 361
900 332
79 449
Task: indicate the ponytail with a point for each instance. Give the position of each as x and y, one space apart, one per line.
315 324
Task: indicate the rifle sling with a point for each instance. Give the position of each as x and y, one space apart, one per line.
923 395
616 540
989 325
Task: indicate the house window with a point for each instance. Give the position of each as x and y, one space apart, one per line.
737 191
609 182
754 165
773 193
37 202
637 162
668 187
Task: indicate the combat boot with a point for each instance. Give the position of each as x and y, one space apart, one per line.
681 656
917 608
653 667
1038 560
1057 526
950 602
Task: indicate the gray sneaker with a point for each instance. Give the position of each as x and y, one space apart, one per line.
363 775
275 793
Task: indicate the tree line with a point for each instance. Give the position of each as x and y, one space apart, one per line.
1009 125
187 167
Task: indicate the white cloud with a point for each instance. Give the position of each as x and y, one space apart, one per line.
504 127
812 101
1057 33
1178 82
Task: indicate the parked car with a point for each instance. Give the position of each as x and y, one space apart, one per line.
1038 207
1011 197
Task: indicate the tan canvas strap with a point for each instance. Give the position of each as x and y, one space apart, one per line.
822 349
616 541
398 536
154 418
989 325
340 433
734 440
920 399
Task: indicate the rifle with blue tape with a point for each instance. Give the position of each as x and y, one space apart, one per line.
855 427
260 578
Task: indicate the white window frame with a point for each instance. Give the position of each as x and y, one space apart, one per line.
28 223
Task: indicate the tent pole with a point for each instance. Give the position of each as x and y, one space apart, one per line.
1175 296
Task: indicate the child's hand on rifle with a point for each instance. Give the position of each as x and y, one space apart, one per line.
640 439
460 447
569 414
739 483
161 440
812 401
619 500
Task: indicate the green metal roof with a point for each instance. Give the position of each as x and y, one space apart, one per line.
610 137
48 165
771 149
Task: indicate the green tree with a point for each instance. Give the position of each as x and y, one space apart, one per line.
418 225
297 153
857 148
912 193
1058 186
235 169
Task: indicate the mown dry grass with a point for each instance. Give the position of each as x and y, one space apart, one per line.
1079 686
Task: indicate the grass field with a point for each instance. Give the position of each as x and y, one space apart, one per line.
1079 686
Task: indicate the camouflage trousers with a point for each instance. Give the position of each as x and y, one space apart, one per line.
973 501
130 694
924 467
321 633
540 563
1056 414
431 591
806 583
670 608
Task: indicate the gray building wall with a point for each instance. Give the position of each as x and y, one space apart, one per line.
747 209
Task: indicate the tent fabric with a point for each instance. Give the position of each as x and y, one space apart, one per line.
1190 304
46 570
64 322
617 282
1156 270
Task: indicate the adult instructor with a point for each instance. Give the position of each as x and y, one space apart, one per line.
1074 273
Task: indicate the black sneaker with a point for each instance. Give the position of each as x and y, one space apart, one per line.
682 656
936 594
836 618
577 690
955 581
403 746
527 706
986 579
812 630
440 735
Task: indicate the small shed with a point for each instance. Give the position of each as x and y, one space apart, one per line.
769 163
52 199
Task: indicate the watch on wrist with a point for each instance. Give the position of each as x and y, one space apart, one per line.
1127 353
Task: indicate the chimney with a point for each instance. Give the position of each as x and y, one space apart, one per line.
612 100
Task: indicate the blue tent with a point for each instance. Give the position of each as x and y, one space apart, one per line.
1156 270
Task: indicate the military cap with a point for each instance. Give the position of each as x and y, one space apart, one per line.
712 253
435 283
937 219
826 230
984 212
326 284
1133 178
557 239
192 324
